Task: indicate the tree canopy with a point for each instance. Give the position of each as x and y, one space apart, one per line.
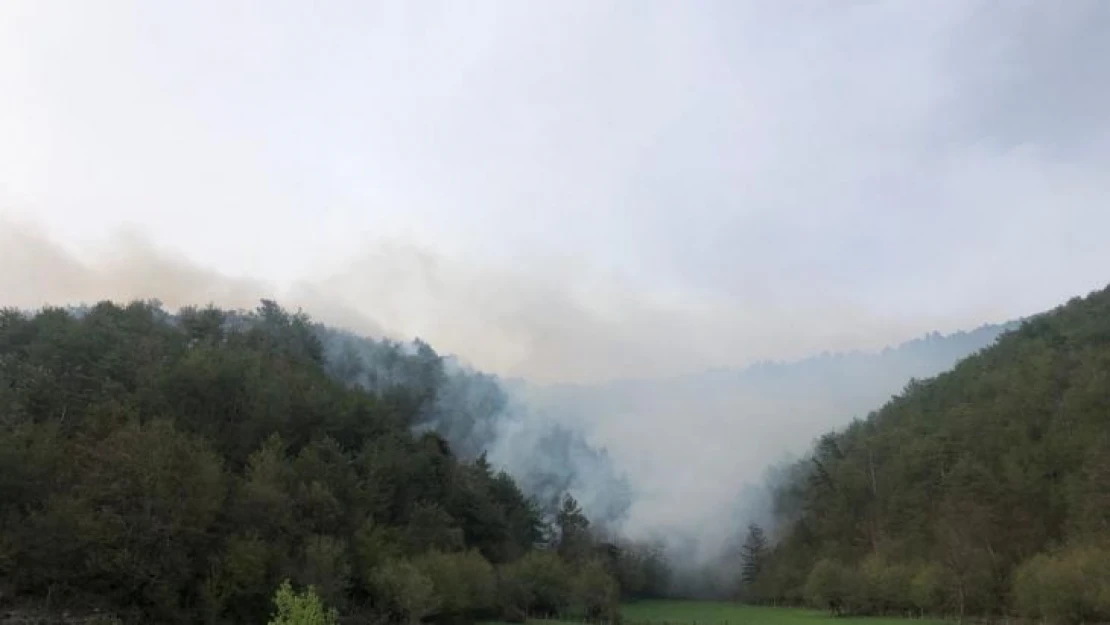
973 493
176 468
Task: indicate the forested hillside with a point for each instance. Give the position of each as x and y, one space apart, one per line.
177 468
983 491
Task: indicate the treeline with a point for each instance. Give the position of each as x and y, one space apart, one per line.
983 492
177 468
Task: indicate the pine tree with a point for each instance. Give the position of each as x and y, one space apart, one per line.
574 539
752 553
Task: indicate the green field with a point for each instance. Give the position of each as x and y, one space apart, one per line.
713 613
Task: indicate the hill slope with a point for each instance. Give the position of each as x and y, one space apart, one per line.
174 468
947 499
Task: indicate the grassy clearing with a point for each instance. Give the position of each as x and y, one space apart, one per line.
713 613
722 613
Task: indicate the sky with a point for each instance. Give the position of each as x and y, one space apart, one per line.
564 191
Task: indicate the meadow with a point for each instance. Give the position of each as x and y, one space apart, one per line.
724 613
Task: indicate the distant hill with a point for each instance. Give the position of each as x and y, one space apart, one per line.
841 383
982 491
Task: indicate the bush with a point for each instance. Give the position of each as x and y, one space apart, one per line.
594 593
1066 588
929 589
538 583
405 590
463 582
830 586
883 587
303 608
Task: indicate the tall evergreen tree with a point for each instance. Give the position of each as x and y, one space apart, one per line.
752 553
573 527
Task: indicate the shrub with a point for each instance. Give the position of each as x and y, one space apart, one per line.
830 586
303 608
406 591
594 593
1066 588
539 582
463 582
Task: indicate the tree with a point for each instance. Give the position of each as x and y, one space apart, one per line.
540 582
595 594
752 554
463 582
300 608
574 539
409 592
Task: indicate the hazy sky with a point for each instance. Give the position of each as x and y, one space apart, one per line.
569 189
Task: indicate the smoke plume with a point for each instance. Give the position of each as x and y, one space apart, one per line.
582 403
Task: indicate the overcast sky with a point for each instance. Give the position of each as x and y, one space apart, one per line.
569 189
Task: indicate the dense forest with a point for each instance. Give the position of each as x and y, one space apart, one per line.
178 468
184 468
984 491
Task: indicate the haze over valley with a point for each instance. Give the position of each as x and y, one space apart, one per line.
534 309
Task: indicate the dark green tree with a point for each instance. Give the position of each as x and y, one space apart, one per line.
752 554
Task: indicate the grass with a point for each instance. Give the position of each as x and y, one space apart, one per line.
722 613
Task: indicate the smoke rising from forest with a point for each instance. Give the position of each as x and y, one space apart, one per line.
679 459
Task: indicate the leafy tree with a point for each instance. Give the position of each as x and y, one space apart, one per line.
409 592
831 586
1065 588
464 583
594 593
539 583
300 608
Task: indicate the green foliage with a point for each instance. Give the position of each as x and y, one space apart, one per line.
933 501
831 586
539 583
1065 588
594 593
464 583
884 587
181 466
300 608
325 566
406 591
543 584
930 589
